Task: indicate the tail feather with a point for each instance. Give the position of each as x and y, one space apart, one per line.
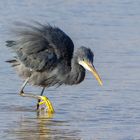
10 43
14 62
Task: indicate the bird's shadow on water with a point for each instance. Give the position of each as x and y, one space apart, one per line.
30 124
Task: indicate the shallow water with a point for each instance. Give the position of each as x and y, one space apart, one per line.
86 111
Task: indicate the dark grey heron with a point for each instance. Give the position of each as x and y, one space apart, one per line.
44 57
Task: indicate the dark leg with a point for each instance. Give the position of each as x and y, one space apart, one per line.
42 91
41 94
21 93
29 94
43 99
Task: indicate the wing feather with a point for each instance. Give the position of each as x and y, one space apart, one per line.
42 47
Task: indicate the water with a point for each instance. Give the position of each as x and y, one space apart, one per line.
86 111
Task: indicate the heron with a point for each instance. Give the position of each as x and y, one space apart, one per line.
45 57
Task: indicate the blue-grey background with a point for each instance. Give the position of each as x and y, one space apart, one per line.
111 28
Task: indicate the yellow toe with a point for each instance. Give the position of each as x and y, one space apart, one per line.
47 102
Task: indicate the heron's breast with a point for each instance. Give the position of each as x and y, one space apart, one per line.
45 79
22 71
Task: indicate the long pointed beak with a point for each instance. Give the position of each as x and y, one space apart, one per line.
95 73
89 66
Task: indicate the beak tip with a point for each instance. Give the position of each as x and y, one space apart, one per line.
101 83
94 72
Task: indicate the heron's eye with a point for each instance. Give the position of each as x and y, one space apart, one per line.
83 59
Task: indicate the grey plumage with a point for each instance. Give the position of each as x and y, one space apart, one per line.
45 54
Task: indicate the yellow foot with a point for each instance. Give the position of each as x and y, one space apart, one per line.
47 103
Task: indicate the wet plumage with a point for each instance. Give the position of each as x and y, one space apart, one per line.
45 54
45 57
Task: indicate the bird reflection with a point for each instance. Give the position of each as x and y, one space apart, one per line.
43 127
41 114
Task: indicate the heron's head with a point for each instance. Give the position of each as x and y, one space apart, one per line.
85 59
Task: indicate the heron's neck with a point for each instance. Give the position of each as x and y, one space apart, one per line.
77 73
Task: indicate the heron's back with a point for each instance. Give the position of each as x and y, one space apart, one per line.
39 51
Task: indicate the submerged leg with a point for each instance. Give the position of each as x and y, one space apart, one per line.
41 94
43 99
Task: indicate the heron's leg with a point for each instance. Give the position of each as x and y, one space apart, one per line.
41 94
21 93
29 94
43 99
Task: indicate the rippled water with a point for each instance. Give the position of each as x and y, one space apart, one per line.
86 111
